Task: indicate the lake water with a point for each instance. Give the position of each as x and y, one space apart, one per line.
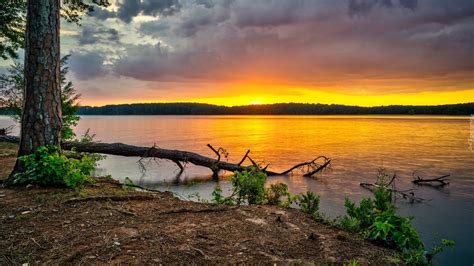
359 145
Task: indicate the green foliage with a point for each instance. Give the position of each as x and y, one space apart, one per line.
378 221
249 186
218 198
13 21
251 191
11 96
353 262
128 184
48 167
309 203
445 243
69 102
12 24
198 197
87 138
350 223
275 192
395 231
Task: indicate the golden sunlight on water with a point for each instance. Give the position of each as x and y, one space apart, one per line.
427 145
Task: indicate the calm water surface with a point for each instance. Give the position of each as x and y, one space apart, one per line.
359 145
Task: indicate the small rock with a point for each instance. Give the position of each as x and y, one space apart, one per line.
117 243
29 186
331 259
91 257
313 236
25 212
11 216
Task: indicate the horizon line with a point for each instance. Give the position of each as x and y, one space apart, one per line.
268 104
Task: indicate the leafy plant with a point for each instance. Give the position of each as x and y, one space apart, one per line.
349 223
378 221
11 96
275 192
394 230
309 203
48 167
198 197
249 186
218 198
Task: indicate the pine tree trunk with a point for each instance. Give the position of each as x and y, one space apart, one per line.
41 118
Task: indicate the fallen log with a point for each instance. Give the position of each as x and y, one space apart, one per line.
183 157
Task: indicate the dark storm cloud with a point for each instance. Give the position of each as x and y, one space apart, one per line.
102 14
131 8
87 65
91 35
304 41
365 6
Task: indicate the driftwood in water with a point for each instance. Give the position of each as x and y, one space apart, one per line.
442 181
405 194
408 194
182 157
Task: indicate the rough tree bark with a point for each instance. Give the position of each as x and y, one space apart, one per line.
41 118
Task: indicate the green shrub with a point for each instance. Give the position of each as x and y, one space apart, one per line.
249 186
394 230
218 198
275 192
309 203
350 224
378 221
48 167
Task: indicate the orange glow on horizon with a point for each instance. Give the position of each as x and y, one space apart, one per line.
247 95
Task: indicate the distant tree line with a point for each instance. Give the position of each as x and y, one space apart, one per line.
270 109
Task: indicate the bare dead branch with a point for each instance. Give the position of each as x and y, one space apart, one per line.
410 195
313 166
243 158
215 151
441 180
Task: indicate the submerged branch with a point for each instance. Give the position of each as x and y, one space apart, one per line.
405 194
441 180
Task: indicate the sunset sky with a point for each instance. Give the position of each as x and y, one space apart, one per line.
234 52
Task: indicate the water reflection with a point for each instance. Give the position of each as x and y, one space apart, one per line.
358 145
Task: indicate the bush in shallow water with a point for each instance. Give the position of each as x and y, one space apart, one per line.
249 186
378 221
218 198
48 167
276 192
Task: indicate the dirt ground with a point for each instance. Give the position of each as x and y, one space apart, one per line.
106 223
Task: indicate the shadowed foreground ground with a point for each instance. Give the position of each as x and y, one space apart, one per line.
105 223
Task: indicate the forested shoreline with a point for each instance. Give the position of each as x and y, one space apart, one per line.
274 109
268 109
